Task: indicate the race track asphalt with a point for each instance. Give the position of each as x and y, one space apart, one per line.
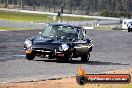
112 50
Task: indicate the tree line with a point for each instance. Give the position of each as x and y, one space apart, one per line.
88 7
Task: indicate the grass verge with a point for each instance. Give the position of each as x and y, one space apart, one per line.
103 28
109 27
9 28
28 17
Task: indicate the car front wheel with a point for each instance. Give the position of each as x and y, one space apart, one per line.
66 58
30 56
85 57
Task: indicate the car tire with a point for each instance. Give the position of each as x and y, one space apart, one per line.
68 58
30 57
85 57
62 59
65 59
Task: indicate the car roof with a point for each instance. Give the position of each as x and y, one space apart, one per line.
61 24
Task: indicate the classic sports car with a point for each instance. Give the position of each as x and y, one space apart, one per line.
61 42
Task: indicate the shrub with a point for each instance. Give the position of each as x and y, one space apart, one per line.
115 14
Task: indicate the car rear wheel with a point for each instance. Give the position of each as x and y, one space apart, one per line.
30 56
85 57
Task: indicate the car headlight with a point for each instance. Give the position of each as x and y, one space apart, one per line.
28 43
64 47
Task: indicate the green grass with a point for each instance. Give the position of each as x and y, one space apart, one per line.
28 17
108 28
103 28
9 28
17 16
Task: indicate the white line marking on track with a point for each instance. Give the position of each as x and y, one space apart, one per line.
124 30
3 30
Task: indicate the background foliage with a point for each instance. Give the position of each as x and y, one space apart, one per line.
89 7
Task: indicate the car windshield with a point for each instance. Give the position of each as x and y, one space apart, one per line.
61 31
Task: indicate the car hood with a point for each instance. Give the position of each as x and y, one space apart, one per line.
44 40
49 43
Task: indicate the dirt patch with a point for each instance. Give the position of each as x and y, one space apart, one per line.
69 83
